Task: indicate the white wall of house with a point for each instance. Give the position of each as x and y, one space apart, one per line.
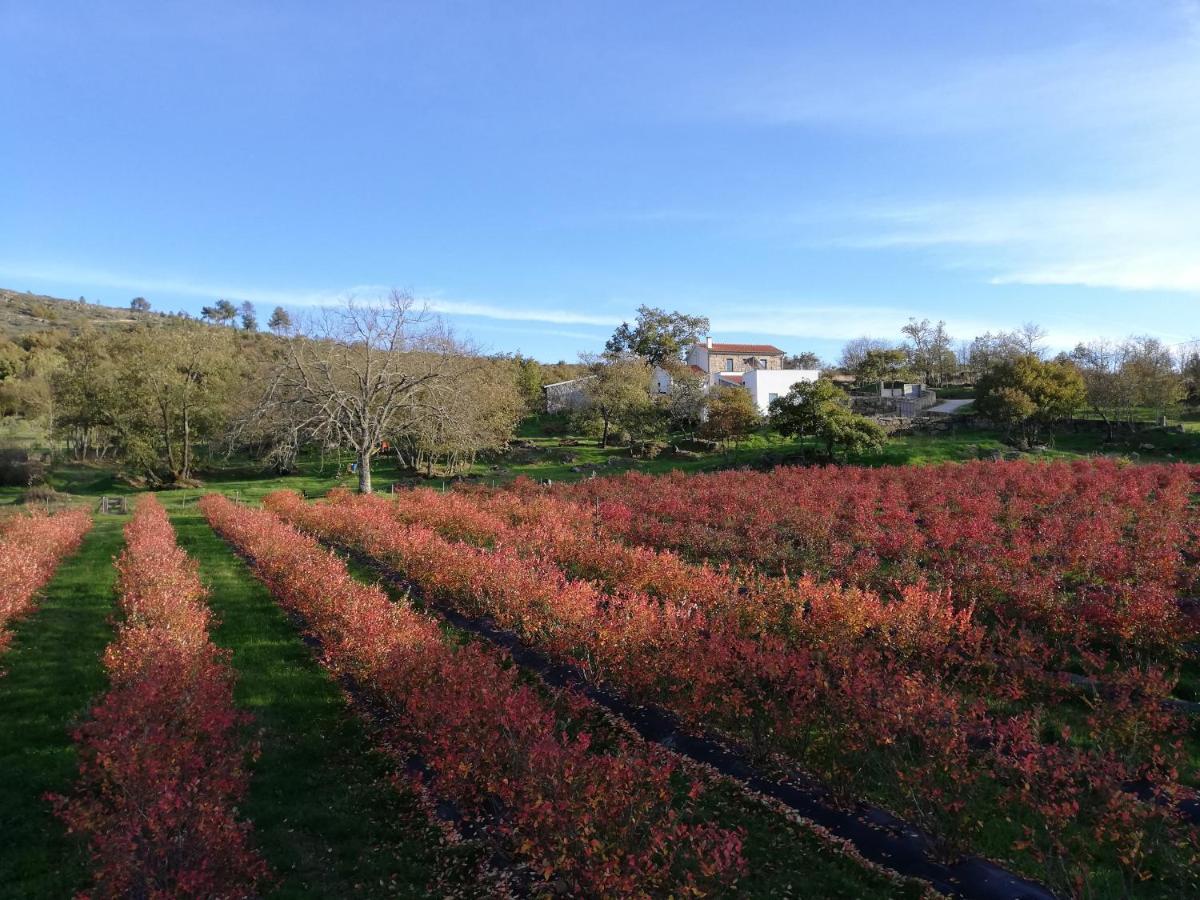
662 381
765 385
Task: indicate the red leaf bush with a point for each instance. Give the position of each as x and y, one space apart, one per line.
31 547
1094 550
162 761
870 692
606 822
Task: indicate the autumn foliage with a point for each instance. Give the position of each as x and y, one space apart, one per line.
162 759
935 687
31 547
1095 551
612 820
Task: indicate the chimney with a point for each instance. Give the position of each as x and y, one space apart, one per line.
710 342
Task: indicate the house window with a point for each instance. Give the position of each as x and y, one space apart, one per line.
729 364
771 398
762 363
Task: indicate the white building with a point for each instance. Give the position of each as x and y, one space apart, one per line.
765 385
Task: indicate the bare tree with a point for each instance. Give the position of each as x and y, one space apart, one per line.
1030 338
928 348
353 375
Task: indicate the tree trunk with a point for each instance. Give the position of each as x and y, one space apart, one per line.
170 445
364 473
187 443
604 437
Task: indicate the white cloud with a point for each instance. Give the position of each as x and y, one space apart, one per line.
97 278
1131 240
1097 139
518 314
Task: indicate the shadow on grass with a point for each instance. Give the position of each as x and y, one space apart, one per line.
325 813
53 673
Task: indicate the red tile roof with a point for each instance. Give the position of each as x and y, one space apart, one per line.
695 368
768 349
734 379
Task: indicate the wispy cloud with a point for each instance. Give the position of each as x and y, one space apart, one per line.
1111 89
1130 240
184 287
518 313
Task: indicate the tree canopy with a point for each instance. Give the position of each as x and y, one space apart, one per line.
618 394
280 321
881 365
821 410
1026 393
657 336
731 414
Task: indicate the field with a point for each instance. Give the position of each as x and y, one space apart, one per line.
829 682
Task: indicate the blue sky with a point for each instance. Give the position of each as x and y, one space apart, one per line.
799 172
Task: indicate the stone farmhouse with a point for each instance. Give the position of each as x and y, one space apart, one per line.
756 367
716 359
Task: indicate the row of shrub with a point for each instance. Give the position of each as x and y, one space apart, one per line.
899 699
31 547
163 756
1092 551
597 815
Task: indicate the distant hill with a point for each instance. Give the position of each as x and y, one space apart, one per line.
22 312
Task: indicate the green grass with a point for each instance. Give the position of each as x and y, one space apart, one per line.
54 672
325 814
544 454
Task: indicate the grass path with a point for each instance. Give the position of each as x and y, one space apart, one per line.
325 814
54 672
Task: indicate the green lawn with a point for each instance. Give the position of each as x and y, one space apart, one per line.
54 672
325 814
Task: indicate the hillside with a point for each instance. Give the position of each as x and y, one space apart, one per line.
23 312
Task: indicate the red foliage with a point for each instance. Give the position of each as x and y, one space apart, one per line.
162 764
868 690
1090 550
31 547
605 823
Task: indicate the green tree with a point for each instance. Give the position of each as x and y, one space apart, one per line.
881 365
855 350
617 393
1027 393
223 313
731 414
12 359
805 360
658 336
139 304
821 410
280 321
1189 370
527 376
248 316
152 394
